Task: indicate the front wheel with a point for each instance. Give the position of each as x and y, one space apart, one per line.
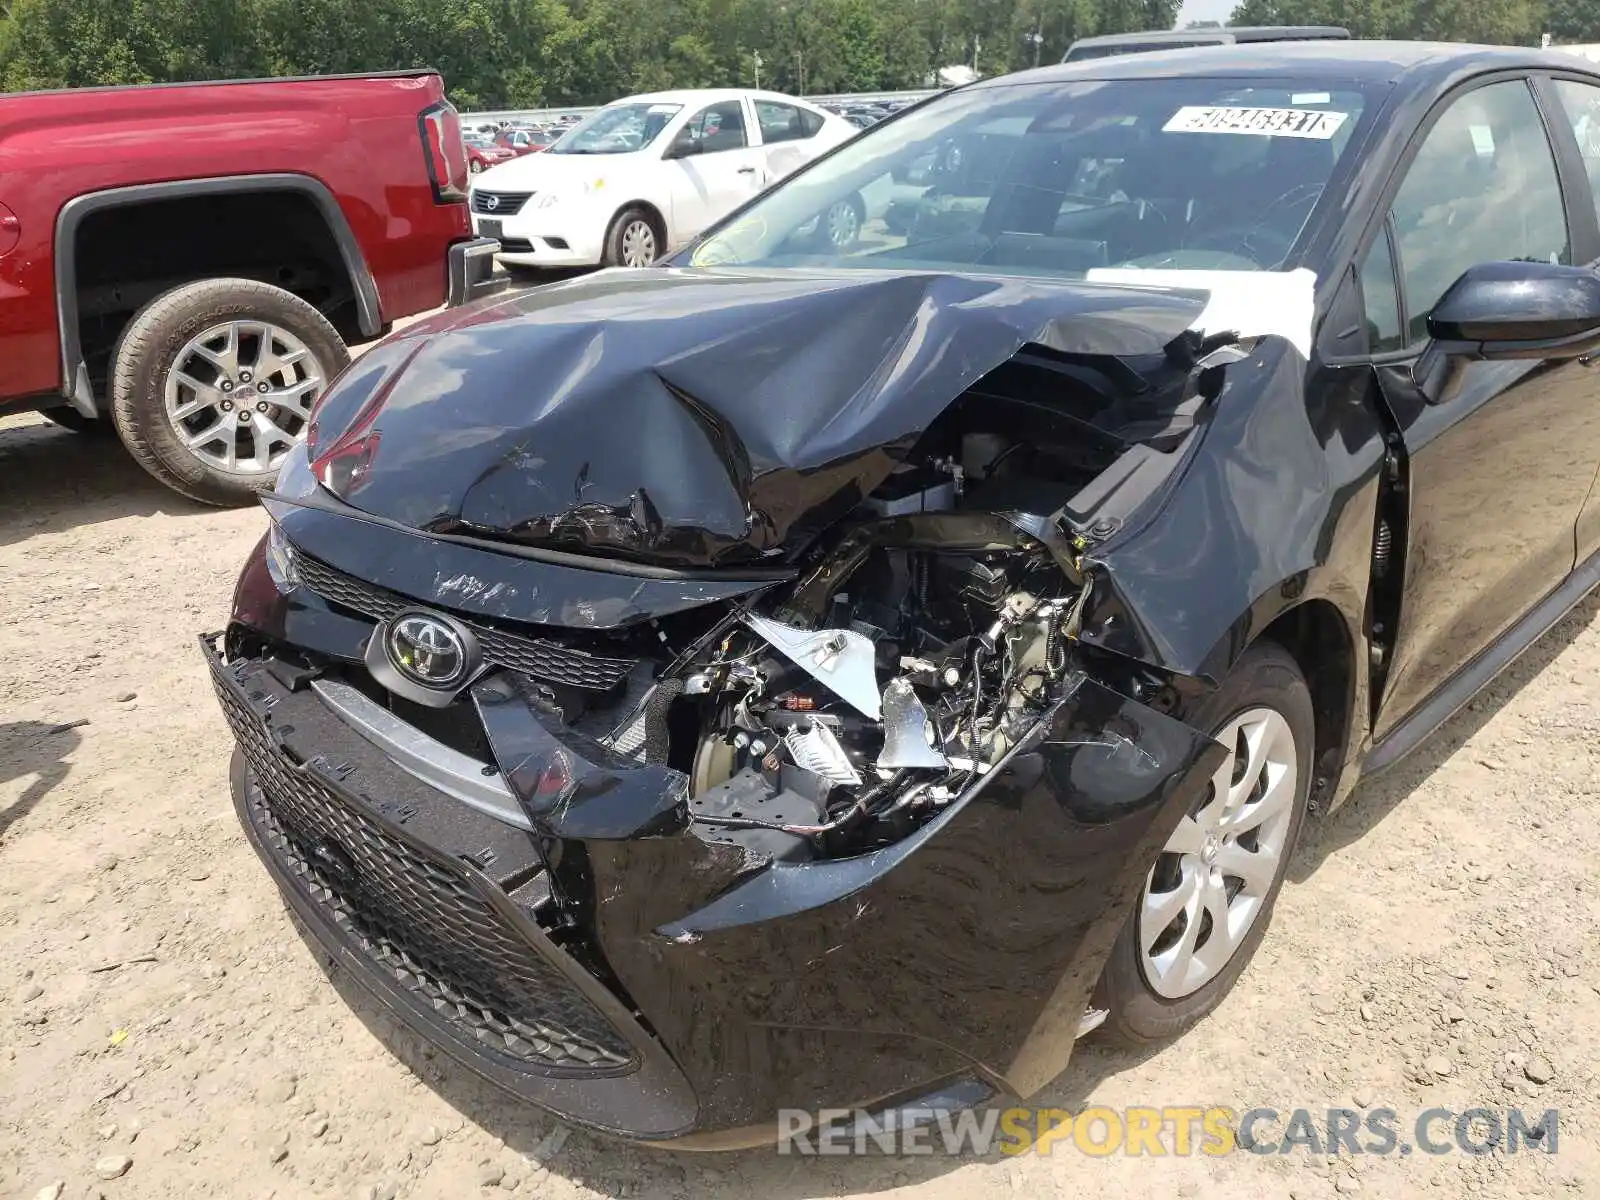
212 385
842 223
1208 897
635 239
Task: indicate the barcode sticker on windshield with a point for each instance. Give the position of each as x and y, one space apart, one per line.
1269 122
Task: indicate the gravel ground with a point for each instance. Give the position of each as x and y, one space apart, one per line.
165 1033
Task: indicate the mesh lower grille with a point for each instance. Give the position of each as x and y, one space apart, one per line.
422 921
539 657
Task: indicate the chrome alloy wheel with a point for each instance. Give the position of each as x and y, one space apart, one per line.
638 243
239 395
1211 881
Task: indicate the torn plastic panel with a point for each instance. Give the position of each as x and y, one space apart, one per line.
1224 514
698 418
981 933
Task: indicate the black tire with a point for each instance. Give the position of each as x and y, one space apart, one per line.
71 418
1266 676
613 255
147 351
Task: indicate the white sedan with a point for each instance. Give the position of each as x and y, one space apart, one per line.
646 174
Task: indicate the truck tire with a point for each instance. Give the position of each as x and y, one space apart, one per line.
212 384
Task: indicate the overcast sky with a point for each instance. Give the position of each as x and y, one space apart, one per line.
1205 10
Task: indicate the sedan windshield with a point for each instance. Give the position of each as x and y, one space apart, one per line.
617 129
1062 179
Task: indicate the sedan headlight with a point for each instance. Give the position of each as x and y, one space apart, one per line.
295 480
281 559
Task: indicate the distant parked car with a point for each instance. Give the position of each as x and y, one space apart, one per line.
646 174
1109 45
483 152
521 140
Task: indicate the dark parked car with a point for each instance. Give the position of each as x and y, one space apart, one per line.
801 675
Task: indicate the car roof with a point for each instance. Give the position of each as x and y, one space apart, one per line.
1222 35
1415 63
708 96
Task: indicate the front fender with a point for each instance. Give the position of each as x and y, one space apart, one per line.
977 940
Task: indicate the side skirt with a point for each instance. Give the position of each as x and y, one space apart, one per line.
1454 693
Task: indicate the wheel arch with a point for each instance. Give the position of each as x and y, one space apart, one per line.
1319 636
653 210
75 380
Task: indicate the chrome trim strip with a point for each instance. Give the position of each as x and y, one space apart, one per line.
457 775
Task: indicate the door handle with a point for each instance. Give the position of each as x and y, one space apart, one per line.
747 170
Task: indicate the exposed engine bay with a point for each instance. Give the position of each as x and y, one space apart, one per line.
838 713
926 666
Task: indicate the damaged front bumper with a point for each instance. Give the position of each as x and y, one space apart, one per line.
608 960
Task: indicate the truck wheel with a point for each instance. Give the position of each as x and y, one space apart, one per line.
634 240
1209 896
212 384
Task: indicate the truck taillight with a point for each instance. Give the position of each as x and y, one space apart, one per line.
446 153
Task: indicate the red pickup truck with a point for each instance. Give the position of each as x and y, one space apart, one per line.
185 263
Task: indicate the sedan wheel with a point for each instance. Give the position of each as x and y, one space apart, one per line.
638 243
844 225
1207 899
1213 879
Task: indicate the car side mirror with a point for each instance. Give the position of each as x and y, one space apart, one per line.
685 145
1511 310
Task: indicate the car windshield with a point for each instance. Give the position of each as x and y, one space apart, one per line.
480 140
1062 179
617 129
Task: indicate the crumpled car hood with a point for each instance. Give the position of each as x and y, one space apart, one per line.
704 418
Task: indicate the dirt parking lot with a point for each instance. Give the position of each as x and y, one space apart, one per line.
165 1033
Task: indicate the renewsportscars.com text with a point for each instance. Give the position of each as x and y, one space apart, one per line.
1172 1130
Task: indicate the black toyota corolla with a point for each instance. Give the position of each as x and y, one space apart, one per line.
851 660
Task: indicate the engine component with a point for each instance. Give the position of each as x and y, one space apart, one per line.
818 751
913 491
906 730
749 804
841 659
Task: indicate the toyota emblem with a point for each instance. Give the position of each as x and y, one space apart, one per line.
491 201
428 650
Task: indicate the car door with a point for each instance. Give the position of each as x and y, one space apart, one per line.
712 166
788 136
1501 454
1578 102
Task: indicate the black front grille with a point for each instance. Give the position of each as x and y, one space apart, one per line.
539 657
420 919
516 245
504 204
